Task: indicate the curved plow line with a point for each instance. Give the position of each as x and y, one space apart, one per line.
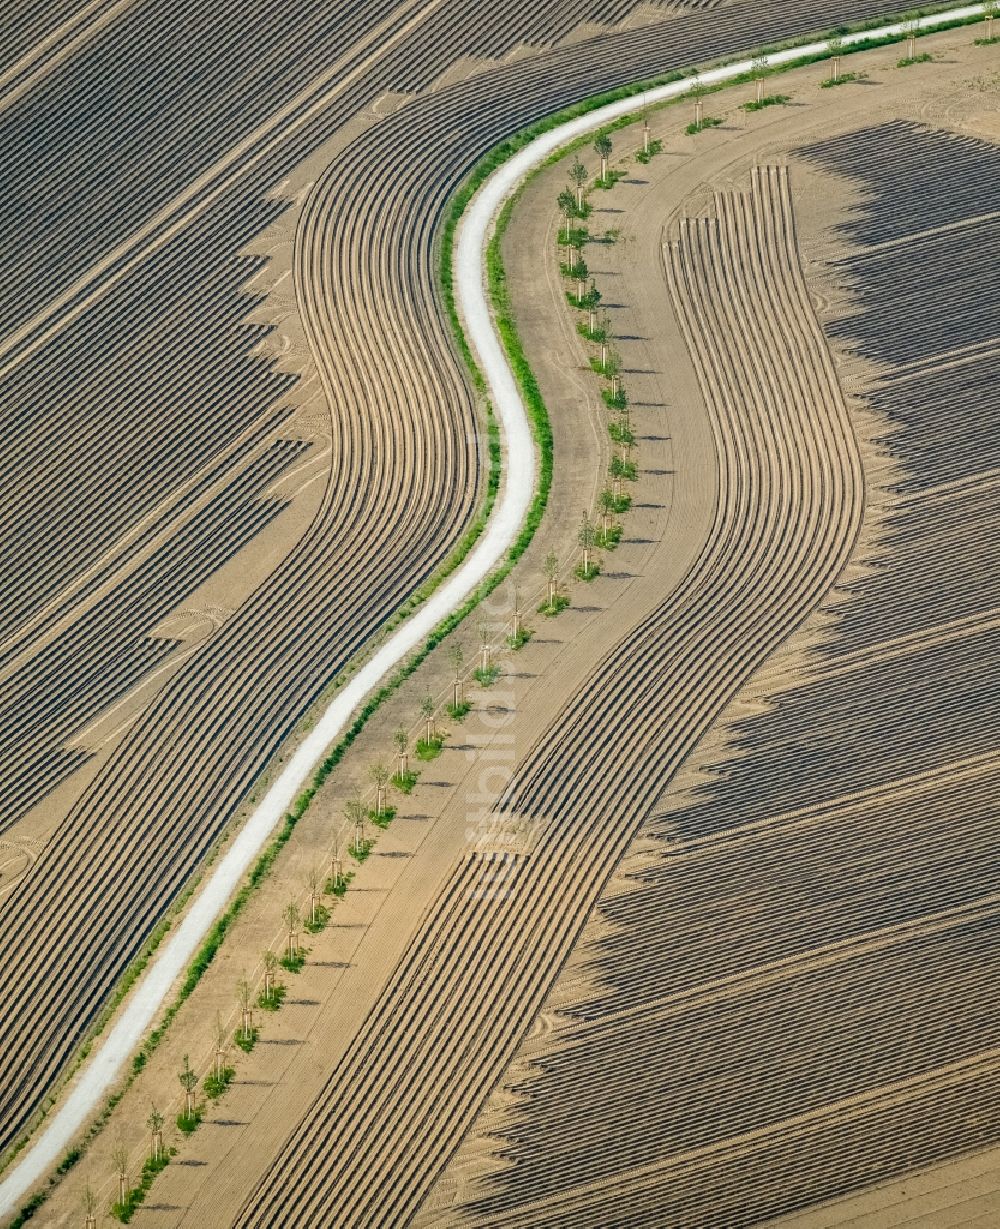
101 1071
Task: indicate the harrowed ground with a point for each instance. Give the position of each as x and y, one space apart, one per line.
394 895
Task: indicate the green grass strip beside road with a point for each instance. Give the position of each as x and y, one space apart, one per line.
541 428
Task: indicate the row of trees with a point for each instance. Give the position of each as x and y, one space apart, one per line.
602 532
358 812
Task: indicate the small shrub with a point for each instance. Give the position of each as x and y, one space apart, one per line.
385 819
189 1122
709 121
520 640
592 570
322 917
339 889
578 236
644 156
621 434
458 711
246 1041
624 502
577 272
551 609
843 79
770 100
612 179
405 782
68 1161
272 1001
609 540
614 401
598 335
487 677
590 299
215 1085
906 61
987 42
295 962
359 853
429 748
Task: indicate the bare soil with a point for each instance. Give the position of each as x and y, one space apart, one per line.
673 503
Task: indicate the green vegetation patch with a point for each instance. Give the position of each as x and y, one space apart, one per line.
318 920
246 1040
708 121
429 748
769 100
524 634
842 79
360 852
187 1123
405 781
551 609
215 1085
488 676
645 156
273 1000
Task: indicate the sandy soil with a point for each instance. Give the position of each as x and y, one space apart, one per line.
673 501
954 93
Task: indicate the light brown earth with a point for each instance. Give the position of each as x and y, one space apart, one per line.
673 504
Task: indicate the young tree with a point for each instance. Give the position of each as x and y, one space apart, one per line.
645 134
312 879
90 1207
586 540
457 661
615 474
484 647
607 503
613 369
578 174
357 813
119 1158
989 12
911 35
221 1039
602 147
567 203
698 94
270 966
552 576
336 864
155 1124
836 46
189 1082
516 617
292 918
626 425
580 272
759 69
606 339
427 712
402 741
379 775
243 997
